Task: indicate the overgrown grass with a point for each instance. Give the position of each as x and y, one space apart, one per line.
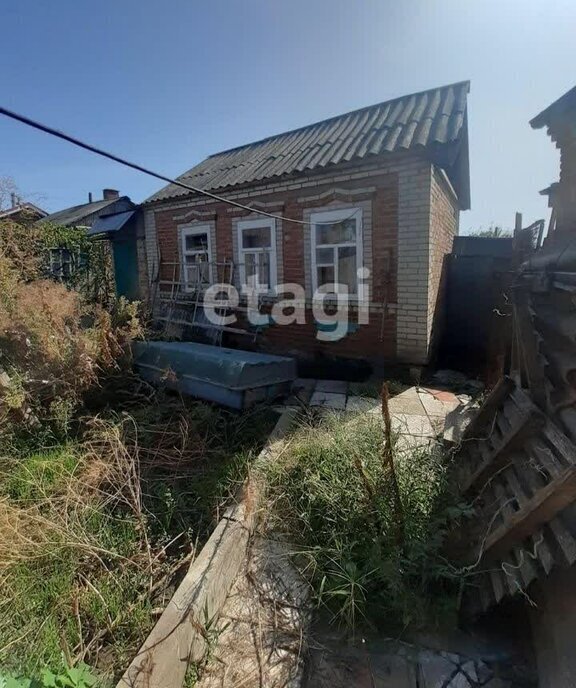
332 493
96 532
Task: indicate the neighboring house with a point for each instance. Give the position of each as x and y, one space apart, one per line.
85 215
559 120
22 212
113 218
379 188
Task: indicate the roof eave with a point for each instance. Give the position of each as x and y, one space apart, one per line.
560 106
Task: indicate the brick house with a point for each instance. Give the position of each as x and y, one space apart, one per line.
379 188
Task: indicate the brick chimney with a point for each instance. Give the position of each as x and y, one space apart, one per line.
110 194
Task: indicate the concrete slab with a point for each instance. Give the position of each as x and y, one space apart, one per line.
407 403
380 663
363 405
332 386
418 426
434 406
330 400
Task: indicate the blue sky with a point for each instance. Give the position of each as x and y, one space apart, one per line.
168 83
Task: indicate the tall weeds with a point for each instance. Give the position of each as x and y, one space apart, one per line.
54 347
331 493
94 533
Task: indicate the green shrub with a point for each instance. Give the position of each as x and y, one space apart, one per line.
78 676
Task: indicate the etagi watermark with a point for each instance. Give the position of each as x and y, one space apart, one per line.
331 305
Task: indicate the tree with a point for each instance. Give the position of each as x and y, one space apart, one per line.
493 232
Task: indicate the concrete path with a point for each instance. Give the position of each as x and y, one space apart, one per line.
419 414
335 662
259 640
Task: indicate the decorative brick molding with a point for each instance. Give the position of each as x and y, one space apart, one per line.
344 195
197 214
275 206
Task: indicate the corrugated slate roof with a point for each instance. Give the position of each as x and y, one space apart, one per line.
423 121
75 214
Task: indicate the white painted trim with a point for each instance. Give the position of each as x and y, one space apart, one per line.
257 205
194 230
335 216
346 193
257 224
199 214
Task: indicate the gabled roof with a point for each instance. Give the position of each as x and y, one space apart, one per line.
432 122
24 208
564 104
74 215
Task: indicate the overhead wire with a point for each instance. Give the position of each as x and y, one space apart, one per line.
139 168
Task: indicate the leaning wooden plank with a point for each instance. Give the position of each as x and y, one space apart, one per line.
529 352
545 458
497 580
564 446
515 487
541 549
489 408
512 577
526 566
563 539
506 501
546 504
514 406
503 424
497 458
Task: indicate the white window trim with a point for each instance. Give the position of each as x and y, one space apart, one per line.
337 215
258 224
194 231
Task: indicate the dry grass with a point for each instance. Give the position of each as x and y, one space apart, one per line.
55 346
94 534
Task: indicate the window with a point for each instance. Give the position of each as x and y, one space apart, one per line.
336 237
196 254
257 253
65 263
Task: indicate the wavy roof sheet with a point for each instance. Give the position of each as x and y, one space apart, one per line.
427 121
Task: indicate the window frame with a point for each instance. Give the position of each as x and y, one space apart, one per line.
333 216
259 223
195 230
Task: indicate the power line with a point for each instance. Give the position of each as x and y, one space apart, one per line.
98 151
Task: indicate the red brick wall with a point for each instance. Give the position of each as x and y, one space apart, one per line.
443 228
367 342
